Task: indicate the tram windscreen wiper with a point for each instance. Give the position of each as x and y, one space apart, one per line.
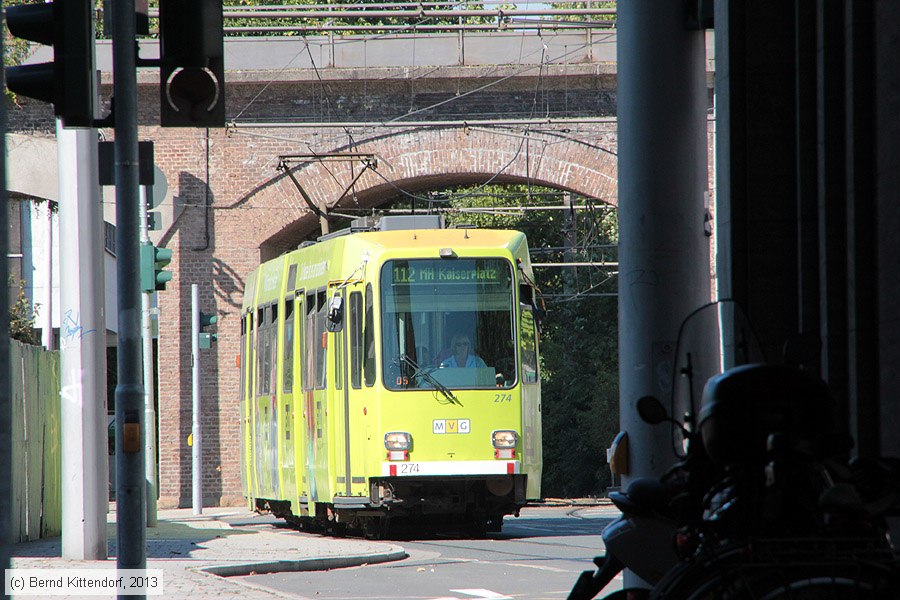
426 375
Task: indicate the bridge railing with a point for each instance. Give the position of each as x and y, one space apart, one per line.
488 15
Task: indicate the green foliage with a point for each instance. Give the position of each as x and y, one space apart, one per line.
293 26
273 26
579 339
21 316
580 395
607 20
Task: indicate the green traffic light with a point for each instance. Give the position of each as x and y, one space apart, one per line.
206 338
161 256
152 264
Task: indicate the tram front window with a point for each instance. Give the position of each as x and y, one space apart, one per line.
448 323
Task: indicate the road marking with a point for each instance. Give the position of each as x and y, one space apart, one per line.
540 567
482 593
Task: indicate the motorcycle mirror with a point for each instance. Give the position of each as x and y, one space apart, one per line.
652 411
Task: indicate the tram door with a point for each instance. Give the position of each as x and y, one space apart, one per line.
265 406
247 480
340 399
303 413
360 406
286 430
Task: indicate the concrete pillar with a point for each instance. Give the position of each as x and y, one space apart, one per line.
663 250
85 495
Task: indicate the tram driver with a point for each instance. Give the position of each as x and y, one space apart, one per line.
462 355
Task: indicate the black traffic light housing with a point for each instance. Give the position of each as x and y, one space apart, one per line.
69 82
192 64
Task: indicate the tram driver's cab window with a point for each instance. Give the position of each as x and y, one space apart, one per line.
448 323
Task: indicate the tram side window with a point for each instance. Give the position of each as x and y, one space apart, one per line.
310 352
264 350
356 339
273 348
253 371
321 361
243 358
338 360
292 278
287 350
369 335
272 336
529 348
300 317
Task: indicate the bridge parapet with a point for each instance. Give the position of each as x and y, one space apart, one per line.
404 55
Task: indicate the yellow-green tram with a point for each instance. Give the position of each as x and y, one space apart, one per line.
355 408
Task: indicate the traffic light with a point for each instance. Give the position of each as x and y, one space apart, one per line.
153 261
192 72
69 81
207 338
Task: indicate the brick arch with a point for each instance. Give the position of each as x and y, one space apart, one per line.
414 161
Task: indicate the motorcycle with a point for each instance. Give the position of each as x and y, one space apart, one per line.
762 498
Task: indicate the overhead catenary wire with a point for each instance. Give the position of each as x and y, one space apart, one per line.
233 125
402 121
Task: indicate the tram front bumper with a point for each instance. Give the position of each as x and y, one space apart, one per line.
435 494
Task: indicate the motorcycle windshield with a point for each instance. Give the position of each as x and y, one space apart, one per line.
712 339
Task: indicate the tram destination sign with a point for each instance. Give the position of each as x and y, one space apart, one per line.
465 272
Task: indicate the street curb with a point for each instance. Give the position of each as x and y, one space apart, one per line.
303 564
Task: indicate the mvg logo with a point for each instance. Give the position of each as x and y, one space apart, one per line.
450 426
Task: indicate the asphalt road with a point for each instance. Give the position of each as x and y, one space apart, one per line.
537 556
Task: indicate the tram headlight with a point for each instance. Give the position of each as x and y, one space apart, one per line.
504 438
504 441
397 440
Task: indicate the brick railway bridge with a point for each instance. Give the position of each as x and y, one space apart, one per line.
415 113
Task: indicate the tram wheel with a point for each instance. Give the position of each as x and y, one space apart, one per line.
494 524
375 528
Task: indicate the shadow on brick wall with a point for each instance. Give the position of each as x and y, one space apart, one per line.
196 240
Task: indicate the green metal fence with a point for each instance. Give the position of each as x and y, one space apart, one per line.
36 501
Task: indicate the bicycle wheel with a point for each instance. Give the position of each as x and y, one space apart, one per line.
853 581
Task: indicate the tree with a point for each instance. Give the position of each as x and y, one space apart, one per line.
21 315
579 339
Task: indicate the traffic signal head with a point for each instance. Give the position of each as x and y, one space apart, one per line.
192 75
153 261
69 81
207 338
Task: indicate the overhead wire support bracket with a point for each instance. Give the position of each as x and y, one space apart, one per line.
369 160
283 166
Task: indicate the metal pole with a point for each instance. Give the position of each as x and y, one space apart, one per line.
130 480
5 379
84 466
663 251
570 240
47 305
197 447
149 409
